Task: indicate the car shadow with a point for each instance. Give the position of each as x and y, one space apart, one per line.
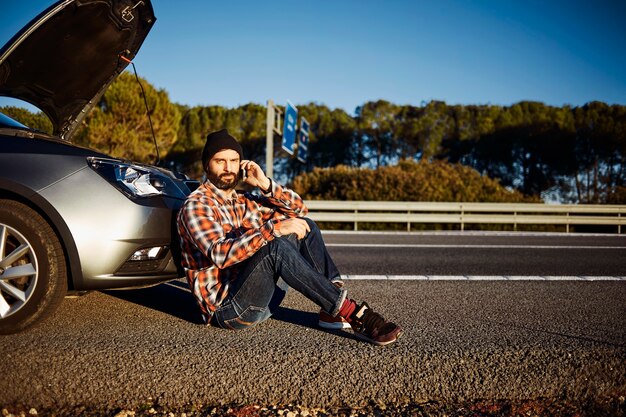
175 298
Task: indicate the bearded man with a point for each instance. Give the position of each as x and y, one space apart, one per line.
242 251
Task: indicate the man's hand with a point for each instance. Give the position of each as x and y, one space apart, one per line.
255 175
293 225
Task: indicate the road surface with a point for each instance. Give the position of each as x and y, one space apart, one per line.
464 339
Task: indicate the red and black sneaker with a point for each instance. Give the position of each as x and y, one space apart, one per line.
372 327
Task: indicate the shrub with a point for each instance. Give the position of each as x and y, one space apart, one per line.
408 181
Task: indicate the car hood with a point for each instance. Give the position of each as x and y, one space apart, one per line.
65 58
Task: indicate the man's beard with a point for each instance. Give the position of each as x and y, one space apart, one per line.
221 183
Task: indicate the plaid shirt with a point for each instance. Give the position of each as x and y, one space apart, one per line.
219 229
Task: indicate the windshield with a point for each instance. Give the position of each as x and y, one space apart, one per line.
7 122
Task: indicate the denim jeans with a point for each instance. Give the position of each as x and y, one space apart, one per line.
263 279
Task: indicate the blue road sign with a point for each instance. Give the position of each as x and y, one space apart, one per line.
303 142
289 128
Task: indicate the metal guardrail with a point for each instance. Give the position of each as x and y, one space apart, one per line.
467 213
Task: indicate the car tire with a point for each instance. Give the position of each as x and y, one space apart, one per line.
33 275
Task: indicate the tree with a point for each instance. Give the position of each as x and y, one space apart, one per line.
527 145
119 125
330 136
246 123
37 120
376 124
600 152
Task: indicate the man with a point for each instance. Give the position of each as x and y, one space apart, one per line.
242 251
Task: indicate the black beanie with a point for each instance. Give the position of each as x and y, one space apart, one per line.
217 141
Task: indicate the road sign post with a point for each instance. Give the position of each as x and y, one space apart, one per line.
272 126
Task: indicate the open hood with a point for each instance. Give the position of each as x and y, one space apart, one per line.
65 58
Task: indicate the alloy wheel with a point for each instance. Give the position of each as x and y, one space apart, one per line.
18 271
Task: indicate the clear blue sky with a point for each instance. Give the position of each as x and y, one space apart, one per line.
343 53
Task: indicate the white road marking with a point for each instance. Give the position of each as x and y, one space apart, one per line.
481 278
439 246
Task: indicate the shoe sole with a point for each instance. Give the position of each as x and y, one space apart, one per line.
377 343
334 326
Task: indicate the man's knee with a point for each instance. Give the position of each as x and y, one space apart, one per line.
279 243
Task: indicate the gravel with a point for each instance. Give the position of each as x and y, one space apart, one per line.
610 406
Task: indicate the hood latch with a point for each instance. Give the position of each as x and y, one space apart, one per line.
127 13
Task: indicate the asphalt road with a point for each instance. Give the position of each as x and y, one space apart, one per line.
463 340
468 253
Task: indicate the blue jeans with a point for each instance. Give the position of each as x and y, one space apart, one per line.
263 279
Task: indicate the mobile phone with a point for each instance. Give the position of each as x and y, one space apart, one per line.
243 174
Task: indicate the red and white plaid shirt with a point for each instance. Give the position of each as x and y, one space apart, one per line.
219 229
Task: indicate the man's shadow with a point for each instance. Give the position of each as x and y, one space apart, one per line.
175 298
306 319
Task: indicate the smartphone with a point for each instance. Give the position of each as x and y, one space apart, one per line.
243 174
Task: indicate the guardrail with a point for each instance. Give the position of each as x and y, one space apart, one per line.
467 213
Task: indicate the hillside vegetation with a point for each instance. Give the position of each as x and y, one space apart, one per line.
567 154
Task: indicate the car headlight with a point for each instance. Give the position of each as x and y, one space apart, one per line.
136 180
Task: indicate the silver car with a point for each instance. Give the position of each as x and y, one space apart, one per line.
73 219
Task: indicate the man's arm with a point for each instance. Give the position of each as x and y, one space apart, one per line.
284 200
209 237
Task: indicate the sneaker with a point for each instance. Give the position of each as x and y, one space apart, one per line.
334 323
372 327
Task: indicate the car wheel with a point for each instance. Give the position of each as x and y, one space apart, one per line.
33 277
